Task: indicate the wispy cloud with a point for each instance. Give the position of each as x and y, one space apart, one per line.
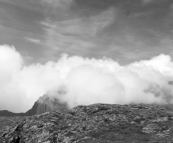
57 3
77 35
36 41
89 28
147 1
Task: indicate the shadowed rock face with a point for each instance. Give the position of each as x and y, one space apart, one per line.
98 123
42 105
45 104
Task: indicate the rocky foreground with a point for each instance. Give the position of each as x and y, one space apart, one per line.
98 123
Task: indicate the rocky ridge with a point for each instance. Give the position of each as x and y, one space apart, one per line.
98 123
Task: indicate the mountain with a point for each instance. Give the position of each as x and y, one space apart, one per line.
42 105
98 123
45 104
6 113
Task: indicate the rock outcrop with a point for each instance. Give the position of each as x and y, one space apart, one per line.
98 123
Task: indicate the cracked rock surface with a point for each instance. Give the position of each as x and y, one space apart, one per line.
98 123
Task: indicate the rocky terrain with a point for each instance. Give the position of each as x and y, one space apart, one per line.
98 123
8 121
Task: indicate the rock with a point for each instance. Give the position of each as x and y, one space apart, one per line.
15 139
97 123
137 119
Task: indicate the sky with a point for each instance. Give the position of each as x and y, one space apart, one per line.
85 51
124 30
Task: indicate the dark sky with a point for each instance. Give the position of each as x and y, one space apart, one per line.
124 30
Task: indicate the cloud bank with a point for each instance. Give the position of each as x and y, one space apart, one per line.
76 80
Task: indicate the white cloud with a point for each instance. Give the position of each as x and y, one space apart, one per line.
78 80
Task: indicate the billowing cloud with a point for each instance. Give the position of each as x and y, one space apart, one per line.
76 80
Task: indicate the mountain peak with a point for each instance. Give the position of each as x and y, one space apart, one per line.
42 105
